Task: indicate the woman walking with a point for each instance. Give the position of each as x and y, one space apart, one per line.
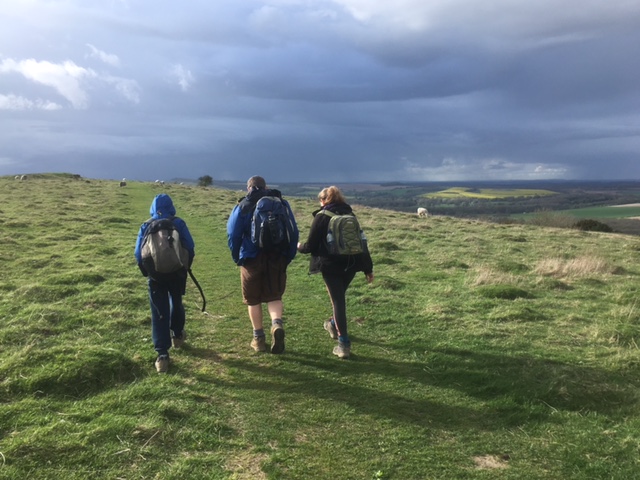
337 270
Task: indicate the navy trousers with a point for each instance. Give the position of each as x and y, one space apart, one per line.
167 312
337 285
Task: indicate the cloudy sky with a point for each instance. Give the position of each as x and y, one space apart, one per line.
321 90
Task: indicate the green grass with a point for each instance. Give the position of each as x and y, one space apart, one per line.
487 193
480 351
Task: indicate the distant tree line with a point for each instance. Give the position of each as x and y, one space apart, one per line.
407 197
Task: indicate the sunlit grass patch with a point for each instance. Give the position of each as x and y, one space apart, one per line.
490 276
66 370
624 328
487 193
46 293
575 267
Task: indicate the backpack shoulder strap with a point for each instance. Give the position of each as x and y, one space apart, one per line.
160 219
147 224
328 213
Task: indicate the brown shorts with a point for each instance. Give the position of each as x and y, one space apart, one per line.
263 278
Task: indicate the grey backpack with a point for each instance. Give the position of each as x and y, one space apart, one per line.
163 255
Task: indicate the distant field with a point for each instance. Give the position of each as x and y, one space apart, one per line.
605 212
487 193
595 213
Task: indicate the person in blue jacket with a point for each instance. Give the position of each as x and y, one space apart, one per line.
263 274
165 296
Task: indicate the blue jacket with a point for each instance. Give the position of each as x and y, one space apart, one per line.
162 207
239 227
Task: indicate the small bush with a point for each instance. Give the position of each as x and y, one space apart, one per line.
589 225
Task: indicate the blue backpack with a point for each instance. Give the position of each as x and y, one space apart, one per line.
271 225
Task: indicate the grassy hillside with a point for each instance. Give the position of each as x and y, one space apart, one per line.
480 351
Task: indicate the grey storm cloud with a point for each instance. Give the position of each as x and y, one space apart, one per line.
343 90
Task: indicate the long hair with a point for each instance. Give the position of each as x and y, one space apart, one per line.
331 194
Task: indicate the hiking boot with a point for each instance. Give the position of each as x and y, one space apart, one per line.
331 328
178 342
342 351
162 363
259 344
277 338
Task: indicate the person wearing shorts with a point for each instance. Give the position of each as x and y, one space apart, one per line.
264 279
263 274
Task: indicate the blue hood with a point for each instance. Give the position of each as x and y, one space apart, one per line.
162 206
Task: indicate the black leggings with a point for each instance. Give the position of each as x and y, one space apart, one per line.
337 286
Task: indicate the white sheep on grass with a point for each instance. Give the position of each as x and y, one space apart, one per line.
423 212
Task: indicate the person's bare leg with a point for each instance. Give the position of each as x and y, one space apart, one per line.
275 309
255 315
277 332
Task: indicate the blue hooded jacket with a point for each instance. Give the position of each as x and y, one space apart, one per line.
162 207
239 227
